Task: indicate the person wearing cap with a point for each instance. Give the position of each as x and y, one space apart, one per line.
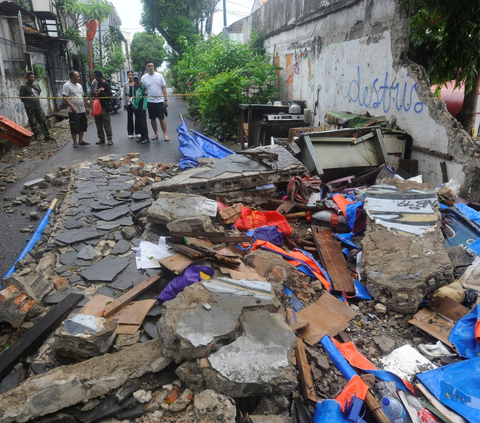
103 91
127 103
139 105
157 99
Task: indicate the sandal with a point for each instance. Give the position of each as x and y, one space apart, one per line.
155 137
100 142
110 143
75 145
83 143
166 139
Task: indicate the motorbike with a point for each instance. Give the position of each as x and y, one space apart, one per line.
117 98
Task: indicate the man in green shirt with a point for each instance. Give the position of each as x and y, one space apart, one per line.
35 114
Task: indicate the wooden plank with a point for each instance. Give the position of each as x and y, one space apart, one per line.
134 313
177 263
199 242
127 329
331 256
428 321
130 295
286 206
186 251
96 306
31 340
305 376
215 237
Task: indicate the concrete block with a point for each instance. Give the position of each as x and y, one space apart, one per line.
34 182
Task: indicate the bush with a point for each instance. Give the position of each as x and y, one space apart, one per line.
224 75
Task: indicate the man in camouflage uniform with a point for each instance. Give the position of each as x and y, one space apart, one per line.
36 116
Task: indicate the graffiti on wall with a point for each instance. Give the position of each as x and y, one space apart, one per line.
383 94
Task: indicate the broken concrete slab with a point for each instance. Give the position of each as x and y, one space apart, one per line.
200 223
398 269
256 363
171 206
182 332
232 173
69 385
85 336
106 269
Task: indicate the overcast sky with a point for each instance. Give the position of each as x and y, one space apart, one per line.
130 12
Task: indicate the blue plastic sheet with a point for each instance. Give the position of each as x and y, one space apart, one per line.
210 147
472 214
458 229
268 233
329 411
200 146
457 386
463 335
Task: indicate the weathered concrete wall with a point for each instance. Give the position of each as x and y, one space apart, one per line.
349 55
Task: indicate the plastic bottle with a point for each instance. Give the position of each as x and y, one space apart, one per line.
393 409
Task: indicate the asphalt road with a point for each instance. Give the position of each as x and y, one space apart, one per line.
12 241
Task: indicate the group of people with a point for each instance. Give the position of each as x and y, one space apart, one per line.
140 94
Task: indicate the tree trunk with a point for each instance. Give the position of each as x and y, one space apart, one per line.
468 113
170 41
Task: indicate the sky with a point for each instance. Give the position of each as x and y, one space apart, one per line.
130 13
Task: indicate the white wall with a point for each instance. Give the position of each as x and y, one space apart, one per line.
347 54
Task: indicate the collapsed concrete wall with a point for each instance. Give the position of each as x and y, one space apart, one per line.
350 55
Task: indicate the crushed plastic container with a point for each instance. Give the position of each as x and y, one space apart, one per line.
393 409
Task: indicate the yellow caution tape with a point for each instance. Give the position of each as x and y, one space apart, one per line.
104 98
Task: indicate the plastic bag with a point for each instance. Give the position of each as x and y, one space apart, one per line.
96 108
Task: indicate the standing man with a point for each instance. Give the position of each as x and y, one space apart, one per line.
72 93
35 114
157 99
103 91
139 106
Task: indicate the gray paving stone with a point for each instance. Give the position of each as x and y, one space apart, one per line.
121 247
112 214
69 257
60 295
107 407
106 269
109 292
139 205
73 223
107 226
87 253
77 235
150 327
141 195
61 269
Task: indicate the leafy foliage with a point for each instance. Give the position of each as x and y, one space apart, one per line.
147 46
445 39
111 58
81 12
224 75
176 20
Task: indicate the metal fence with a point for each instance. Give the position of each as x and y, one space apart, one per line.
13 55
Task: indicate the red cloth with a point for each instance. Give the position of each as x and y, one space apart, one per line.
251 219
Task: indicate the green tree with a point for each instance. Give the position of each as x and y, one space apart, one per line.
445 39
177 20
112 58
81 12
147 46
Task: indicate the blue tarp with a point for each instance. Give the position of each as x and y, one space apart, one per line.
463 335
459 230
200 146
457 386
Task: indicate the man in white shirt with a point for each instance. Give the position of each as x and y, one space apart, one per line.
72 93
157 99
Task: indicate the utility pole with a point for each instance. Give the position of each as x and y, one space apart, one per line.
225 35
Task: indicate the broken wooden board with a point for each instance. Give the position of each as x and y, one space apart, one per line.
131 317
286 206
96 306
429 321
331 256
326 316
230 214
176 263
123 300
305 374
200 242
215 237
243 272
31 340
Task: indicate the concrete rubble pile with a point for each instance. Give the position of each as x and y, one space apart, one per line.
214 294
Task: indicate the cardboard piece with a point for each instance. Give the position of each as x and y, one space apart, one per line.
243 272
327 316
176 263
131 317
430 322
96 306
449 308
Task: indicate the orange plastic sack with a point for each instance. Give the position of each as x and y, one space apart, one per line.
357 387
251 219
96 108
